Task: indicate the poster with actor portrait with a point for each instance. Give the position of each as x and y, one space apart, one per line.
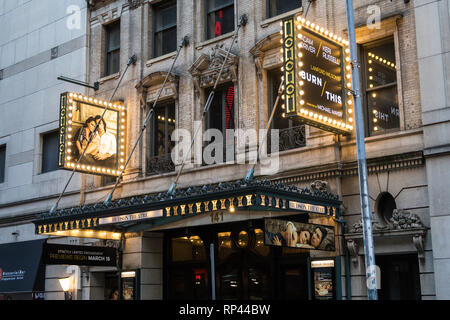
298 235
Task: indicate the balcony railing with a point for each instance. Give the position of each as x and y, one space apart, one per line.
290 138
159 165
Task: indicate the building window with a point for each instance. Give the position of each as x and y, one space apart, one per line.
291 131
159 158
220 17
165 28
50 152
112 50
2 163
380 82
277 7
220 116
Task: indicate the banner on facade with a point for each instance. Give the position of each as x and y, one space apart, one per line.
317 73
298 235
79 255
79 116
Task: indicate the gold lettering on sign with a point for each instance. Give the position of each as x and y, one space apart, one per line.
289 64
206 206
168 212
249 199
71 225
214 203
231 202
175 210
222 203
60 226
39 229
89 222
183 207
263 200
45 228
198 205
82 223
190 205
66 224
277 203
240 201
95 222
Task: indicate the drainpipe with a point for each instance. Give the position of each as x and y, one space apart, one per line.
347 260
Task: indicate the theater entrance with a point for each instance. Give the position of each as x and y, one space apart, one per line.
246 269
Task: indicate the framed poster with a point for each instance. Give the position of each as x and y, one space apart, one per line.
129 284
323 279
317 74
81 118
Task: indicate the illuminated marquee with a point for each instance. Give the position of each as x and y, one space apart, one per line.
317 76
79 115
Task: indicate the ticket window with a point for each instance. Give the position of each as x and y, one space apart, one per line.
129 285
323 279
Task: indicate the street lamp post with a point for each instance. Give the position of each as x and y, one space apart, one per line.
362 164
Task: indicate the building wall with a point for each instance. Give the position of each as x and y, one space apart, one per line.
29 95
432 31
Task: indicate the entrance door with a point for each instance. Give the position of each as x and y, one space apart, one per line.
399 277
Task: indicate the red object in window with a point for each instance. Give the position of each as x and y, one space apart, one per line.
200 274
229 102
218 28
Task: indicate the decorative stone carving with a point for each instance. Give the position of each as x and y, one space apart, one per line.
135 3
376 226
405 220
401 220
206 68
152 84
319 185
419 244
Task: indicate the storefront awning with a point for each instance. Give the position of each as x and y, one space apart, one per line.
21 270
125 215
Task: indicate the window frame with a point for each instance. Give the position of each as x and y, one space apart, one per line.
108 51
362 50
209 11
207 122
271 98
223 97
152 142
155 9
43 140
